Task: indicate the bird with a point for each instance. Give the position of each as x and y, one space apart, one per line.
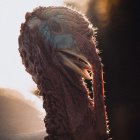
57 46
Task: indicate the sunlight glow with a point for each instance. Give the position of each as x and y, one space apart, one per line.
103 9
12 72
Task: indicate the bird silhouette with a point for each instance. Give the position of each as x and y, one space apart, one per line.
57 46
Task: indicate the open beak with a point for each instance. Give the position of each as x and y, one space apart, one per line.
76 61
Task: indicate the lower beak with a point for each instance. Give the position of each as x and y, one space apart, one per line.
76 61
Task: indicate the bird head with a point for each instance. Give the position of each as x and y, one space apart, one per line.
61 37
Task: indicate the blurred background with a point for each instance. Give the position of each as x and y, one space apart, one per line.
118 23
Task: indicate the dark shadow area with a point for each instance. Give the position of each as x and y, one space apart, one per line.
119 42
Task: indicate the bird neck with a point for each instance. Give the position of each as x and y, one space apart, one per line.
66 103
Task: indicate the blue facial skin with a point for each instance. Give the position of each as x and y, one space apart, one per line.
62 41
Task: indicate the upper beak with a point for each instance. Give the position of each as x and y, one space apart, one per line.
76 61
